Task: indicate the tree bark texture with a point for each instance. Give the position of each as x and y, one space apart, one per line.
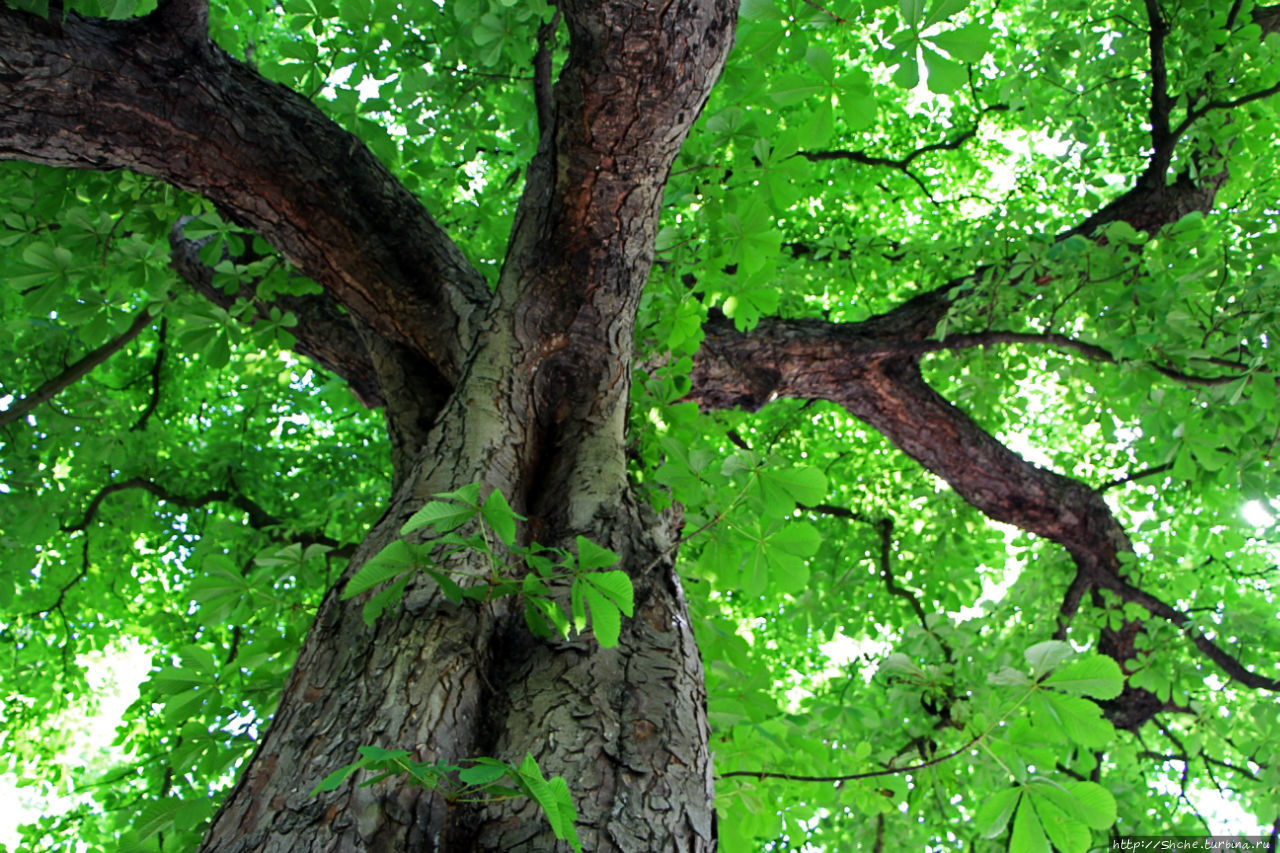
523 389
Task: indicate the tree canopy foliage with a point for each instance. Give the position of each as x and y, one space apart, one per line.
956 353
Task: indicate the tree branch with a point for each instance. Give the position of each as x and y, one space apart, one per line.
259 518
1207 759
1161 139
900 163
78 370
1226 662
1216 104
144 94
1136 475
884 531
65 588
162 347
1080 584
1050 339
845 364
542 93
850 777
324 333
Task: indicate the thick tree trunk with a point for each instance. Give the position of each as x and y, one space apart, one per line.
535 405
625 726
524 389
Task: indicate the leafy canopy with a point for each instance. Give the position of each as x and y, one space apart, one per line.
198 492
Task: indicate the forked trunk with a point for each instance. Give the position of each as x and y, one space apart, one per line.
538 411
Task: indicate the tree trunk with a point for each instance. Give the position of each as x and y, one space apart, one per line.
523 388
537 409
625 726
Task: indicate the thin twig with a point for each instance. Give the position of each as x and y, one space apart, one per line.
791 777
77 371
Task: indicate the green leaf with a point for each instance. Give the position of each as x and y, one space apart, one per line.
967 44
468 494
994 814
378 753
442 515
1027 835
499 515
798 538
535 785
785 486
544 617
568 814
941 10
790 89
1065 832
606 621
447 585
337 777
382 600
483 774
1094 675
615 586
156 817
1081 719
945 76
1045 656
1096 805
592 556
397 557
912 12
1009 677
555 801
760 10
907 74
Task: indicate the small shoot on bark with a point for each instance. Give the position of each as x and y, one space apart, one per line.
483 780
536 573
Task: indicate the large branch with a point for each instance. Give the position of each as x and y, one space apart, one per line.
871 369
258 517
150 95
843 363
